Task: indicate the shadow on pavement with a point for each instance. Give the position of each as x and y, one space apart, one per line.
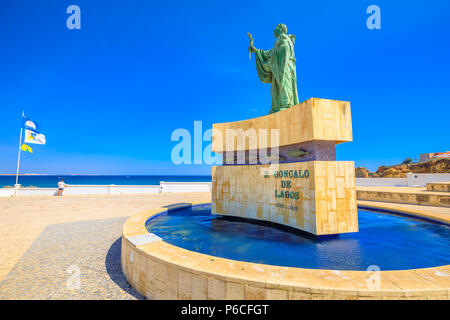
114 270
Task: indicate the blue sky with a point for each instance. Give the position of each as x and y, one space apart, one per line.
108 96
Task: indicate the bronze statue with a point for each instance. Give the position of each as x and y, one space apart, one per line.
277 67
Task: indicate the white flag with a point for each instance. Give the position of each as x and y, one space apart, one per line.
30 125
34 137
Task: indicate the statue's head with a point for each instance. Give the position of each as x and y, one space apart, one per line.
279 30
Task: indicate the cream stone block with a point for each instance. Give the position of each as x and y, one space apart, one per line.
316 203
295 295
235 291
276 294
321 297
216 289
314 119
255 293
150 293
184 285
199 287
160 281
340 188
172 283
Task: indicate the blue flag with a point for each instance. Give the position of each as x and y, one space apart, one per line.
28 124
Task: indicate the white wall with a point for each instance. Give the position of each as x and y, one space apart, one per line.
168 187
111 189
36 191
411 180
382 182
6 192
421 179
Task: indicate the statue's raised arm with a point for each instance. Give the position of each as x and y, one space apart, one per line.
277 67
251 47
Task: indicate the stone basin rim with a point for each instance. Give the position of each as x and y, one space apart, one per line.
426 282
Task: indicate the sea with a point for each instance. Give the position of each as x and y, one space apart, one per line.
50 181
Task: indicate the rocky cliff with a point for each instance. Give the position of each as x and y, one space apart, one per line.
400 170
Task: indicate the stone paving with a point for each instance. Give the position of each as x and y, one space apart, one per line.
50 267
41 237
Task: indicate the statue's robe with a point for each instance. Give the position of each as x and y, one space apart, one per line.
277 67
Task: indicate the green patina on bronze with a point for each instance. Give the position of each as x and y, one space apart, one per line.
277 67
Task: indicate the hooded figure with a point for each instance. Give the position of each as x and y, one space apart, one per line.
277 67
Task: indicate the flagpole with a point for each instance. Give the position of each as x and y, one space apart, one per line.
18 160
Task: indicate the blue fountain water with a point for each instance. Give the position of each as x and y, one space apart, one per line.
389 241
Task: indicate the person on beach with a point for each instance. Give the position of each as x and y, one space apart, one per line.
61 186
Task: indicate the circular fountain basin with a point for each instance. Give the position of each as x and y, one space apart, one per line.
388 241
200 256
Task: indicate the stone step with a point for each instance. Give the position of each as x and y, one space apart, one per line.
405 195
438 186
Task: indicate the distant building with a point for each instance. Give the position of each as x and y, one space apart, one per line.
429 156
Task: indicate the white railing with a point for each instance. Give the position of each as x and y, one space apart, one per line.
381 182
169 187
411 180
75 189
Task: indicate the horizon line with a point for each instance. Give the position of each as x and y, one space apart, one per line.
95 174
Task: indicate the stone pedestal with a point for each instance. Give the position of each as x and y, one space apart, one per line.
305 188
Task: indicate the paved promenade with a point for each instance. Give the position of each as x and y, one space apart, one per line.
45 241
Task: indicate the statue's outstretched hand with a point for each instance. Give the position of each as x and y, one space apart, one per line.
252 49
